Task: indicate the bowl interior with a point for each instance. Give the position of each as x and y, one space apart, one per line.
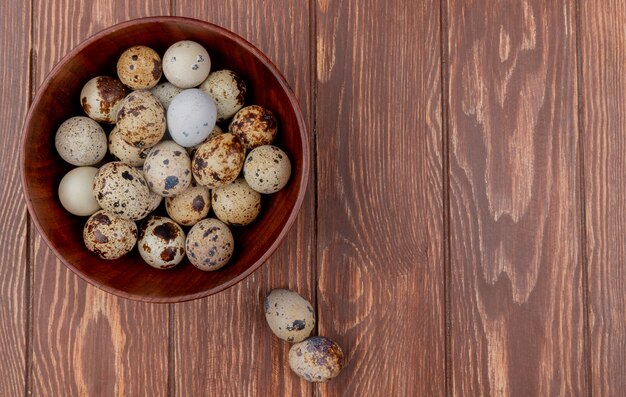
42 167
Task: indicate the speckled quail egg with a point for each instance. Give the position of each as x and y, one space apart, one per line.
215 131
155 201
124 151
161 242
228 90
190 206
167 169
81 141
218 161
122 190
191 117
317 359
141 119
255 126
101 98
289 315
76 191
237 203
139 67
210 244
186 64
109 236
165 92
267 169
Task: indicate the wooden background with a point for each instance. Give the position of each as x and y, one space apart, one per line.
464 231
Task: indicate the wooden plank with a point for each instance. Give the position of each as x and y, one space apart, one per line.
14 273
380 211
85 341
603 56
517 313
222 343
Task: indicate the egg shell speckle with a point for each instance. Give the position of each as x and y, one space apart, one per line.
165 92
139 68
161 242
190 206
218 161
191 117
254 126
76 191
101 98
317 359
167 169
81 141
109 236
210 244
267 169
122 190
141 119
289 315
186 64
237 203
124 151
228 90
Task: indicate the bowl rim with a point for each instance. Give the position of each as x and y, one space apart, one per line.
292 100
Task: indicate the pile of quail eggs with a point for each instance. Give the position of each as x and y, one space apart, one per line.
166 144
291 318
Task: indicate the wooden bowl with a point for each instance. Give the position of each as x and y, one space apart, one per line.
42 168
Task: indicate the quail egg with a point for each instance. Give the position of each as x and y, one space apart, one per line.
215 131
228 90
165 92
317 359
289 315
122 190
141 119
167 169
210 244
254 125
101 98
267 169
76 191
139 67
155 201
190 206
124 151
218 161
237 203
186 64
109 236
81 141
161 242
191 117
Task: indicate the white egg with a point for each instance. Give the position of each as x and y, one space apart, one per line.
76 191
186 64
191 117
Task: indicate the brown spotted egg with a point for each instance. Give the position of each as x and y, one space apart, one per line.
289 315
161 242
190 206
267 169
218 161
141 119
237 203
210 244
165 92
109 236
254 126
317 359
168 169
101 98
139 68
228 90
124 151
122 190
81 141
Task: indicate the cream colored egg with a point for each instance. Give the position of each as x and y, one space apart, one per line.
210 244
186 64
267 169
165 92
101 98
122 190
81 141
167 169
190 206
289 315
76 191
109 236
237 203
228 90
141 119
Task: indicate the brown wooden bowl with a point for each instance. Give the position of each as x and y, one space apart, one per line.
42 168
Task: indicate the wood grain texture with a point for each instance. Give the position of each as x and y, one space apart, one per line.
380 210
517 323
603 55
85 341
222 343
14 274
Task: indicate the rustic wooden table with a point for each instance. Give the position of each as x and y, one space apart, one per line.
463 232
